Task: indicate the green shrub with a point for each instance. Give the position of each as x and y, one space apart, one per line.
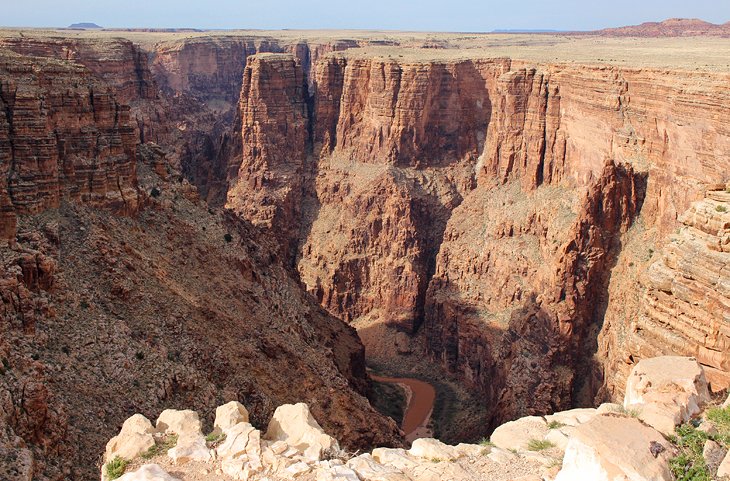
555 425
115 468
214 439
721 419
689 464
539 444
721 208
485 442
161 447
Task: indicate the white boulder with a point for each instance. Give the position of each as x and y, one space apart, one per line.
190 449
133 439
666 391
185 424
517 434
294 424
236 442
337 473
616 448
368 469
230 414
148 472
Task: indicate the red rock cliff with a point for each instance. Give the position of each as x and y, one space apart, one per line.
275 131
62 134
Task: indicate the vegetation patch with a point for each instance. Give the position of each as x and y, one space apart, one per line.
689 464
486 442
539 444
721 208
115 468
555 425
215 438
161 446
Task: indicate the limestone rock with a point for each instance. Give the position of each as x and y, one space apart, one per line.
429 448
470 449
189 449
230 414
233 468
297 469
606 408
294 424
517 434
185 424
148 472
337 473
396 457
667 391
572 417
134 439
368 469
724 468
501 456
609 448
713 454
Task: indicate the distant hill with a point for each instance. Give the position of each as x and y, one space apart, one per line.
673 27
84 25
525 30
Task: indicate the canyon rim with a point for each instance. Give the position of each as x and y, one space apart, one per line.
194 218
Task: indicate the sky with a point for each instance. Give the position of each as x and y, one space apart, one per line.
429 15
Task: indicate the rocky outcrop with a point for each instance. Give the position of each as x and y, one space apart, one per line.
598 444
377 208
558 280
405 113
608 447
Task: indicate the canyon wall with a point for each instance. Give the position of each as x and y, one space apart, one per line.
518 216
504 204
62 135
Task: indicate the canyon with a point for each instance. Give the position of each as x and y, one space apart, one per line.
189 217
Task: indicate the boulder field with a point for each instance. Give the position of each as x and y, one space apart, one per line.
610 443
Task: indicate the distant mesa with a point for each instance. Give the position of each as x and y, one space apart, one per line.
673 27
84 25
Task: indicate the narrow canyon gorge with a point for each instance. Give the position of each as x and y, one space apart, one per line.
189 220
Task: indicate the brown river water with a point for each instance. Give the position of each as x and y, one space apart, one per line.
421 396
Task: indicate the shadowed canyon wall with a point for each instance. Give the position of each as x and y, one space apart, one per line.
542 226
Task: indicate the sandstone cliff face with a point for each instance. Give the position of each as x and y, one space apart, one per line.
686 303
397 142
404 113
275 123
553 129
64 135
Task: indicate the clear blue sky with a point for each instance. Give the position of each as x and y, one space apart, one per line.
435 15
